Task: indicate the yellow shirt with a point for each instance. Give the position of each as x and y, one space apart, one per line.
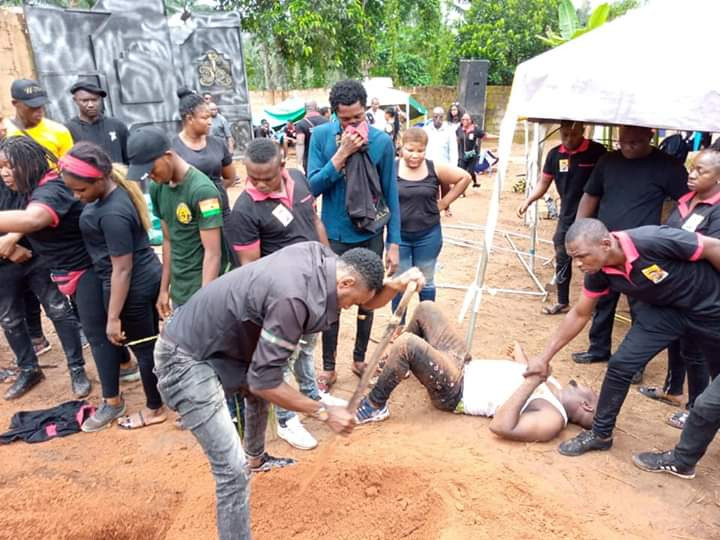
52 135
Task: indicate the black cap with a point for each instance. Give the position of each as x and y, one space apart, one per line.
29 92
144 146
88 86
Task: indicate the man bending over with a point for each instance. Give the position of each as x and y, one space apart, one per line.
523 408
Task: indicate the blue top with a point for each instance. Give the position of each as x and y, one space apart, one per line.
325 180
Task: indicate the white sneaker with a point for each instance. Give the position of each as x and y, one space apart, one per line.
295 434
332 401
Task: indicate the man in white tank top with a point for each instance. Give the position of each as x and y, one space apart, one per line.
523 408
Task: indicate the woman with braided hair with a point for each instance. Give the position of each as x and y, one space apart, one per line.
50 221
114 226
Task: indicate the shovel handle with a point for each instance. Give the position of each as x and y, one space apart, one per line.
380 349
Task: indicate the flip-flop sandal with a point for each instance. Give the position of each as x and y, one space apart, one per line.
677 420
126 422
557 309
653 392
324 383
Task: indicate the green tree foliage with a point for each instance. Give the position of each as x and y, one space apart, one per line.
505 33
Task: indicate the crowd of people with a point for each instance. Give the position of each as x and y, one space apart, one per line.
242 293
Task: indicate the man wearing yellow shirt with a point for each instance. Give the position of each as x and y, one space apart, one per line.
29 100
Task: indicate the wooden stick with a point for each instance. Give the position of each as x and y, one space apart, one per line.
372 364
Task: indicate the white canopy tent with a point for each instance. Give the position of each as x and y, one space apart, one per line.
653 67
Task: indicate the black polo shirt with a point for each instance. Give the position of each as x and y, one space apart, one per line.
632 191
570 169
704 218
111 227
248 322
60 245
662 268
273 221
306 126
107 132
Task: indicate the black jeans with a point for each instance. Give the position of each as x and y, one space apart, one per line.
365 317
701 426
91 309
653 330
603 320
469 165
434 353
685 357
32 313
16 279
563 264
139 320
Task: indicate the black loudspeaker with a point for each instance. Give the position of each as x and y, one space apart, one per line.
471 88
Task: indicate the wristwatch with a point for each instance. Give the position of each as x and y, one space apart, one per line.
321 414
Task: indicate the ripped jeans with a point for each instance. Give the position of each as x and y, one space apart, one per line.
433 352
191 387
16 279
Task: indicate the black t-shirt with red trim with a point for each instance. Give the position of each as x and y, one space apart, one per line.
632 191
59 245
571 170
270 221
704 217
662 268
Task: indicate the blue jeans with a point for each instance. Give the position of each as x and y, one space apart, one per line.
191 387
420 249
302 364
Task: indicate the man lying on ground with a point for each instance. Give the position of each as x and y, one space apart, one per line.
523 408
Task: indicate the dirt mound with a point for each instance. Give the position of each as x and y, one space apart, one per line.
346 502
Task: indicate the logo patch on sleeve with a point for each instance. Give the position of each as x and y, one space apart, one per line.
654 273
210 207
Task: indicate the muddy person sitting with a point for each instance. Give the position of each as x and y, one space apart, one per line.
522 408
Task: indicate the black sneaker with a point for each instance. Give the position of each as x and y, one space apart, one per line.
663 462
583 442
268 462
26 380
587 358
79 382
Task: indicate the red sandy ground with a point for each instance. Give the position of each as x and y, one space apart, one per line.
422 474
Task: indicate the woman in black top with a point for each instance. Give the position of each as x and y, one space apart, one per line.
114 225
454 115
392 124
698 211
22 272
51 223
418 182
469 136
208 154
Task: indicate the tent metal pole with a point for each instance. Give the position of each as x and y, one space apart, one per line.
526 265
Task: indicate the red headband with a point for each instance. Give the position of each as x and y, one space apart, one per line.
79 167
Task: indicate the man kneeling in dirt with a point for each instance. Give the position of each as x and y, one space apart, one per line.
523 408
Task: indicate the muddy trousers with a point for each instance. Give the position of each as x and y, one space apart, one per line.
654 328
701 426
191 387
16 279
433 352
